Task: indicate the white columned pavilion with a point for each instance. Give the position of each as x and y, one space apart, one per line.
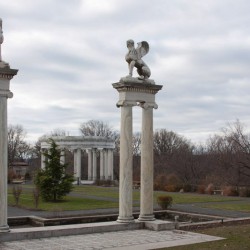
93 145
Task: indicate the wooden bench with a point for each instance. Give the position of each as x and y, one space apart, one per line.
218 191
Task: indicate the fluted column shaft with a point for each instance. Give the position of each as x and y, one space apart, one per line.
90 176
77 164
101 165
43 159
62 156
126 156
6 75
110 164
94 165
147 178
3 164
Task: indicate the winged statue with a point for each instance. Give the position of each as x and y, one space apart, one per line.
134 59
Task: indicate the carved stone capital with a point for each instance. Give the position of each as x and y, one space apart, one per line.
124 103
146 105
6 93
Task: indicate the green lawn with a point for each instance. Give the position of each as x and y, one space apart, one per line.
180 198
236 237
69 203
83 197
244 207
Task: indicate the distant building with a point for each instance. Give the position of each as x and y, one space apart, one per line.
19 169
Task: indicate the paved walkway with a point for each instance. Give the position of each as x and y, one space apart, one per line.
123 240
129 240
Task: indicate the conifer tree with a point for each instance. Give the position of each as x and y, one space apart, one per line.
53 182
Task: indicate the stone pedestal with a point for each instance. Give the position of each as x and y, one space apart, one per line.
134 92
6 74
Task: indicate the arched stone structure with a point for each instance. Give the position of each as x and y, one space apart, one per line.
92 145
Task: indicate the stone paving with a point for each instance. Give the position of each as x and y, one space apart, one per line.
136 239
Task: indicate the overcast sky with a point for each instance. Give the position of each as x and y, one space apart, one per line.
70 52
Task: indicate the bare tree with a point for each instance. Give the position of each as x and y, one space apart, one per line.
136 144
36 150
232 151
18 148
97 128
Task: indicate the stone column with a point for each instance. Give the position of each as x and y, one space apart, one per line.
77 165
94 165
6 75
106 164
62 156
101 164
147 167
90 176
126 156
43 159
110 164
133 92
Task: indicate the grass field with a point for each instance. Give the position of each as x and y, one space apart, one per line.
241 207
94 197
236 238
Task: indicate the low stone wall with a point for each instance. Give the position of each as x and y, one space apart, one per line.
215 223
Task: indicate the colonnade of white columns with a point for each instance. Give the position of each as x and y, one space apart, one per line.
132 93
106 163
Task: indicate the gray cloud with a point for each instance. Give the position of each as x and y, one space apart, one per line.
70 52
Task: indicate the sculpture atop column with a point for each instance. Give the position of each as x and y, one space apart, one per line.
2 63
140 92
134 60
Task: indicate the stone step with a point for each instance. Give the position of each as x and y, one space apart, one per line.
159 225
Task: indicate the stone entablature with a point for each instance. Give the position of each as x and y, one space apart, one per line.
82 142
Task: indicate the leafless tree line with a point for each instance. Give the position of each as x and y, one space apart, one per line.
223 160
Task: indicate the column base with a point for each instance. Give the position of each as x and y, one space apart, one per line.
146 217
4 229
126 219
